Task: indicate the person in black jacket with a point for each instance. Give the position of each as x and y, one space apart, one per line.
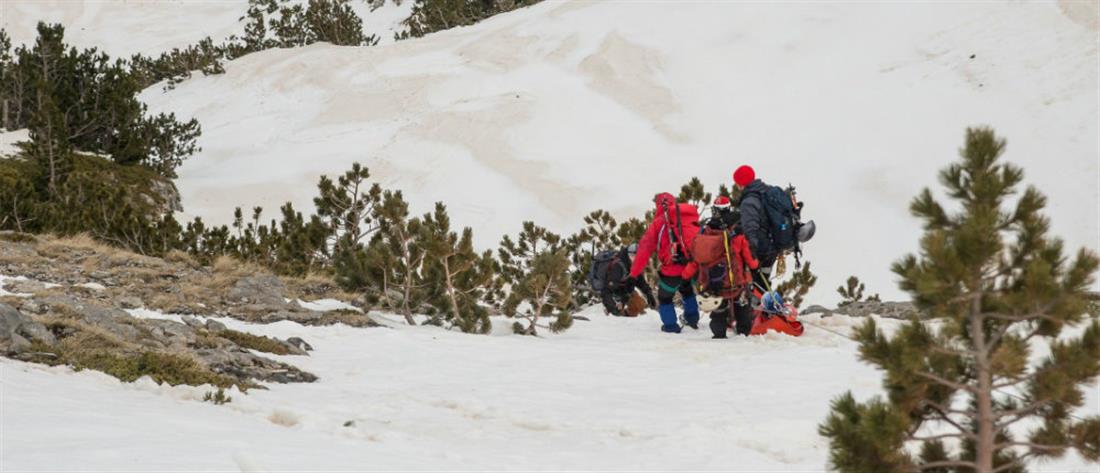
755 226
754 218
618 285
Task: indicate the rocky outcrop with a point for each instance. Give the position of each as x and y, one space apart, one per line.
264 290
18 332
210 344
75 303
891 310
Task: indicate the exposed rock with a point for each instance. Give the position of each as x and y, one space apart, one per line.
815 309
265 289
98 282
17 331
192 322
129 302
299 343
24 286
168 197
892 310
112 320
245 365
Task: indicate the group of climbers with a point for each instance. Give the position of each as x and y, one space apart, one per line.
721 266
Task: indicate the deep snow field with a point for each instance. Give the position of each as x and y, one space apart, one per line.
609 394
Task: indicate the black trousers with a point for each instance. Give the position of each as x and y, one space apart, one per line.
743 316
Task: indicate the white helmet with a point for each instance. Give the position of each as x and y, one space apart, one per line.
709 303
806 231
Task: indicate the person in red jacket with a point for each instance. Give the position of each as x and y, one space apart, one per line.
670 235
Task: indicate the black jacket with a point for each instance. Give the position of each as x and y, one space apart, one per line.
617 291
724 220
754 223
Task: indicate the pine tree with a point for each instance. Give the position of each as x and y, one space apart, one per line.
456 274
543 291
429 16
348 207
49 146
795 288
8 81
997 285
695 194
517 256
334 21
300 245
401 249
853 292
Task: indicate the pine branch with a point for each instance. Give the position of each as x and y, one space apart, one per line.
940 437
1032 446
944 410
945 463
950 351
947 382
1018 414
1014 463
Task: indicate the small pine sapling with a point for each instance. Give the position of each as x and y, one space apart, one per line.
795 288
543 292
853 292
456 275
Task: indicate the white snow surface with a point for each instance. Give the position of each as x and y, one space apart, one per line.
122 28
610 394
552 111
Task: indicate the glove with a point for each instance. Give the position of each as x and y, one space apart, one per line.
630 283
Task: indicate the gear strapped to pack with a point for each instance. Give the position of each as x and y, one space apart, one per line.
679 253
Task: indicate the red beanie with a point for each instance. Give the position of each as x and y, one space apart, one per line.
743 176
722 202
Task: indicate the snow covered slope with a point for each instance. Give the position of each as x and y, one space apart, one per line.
126 27
609 395
553 111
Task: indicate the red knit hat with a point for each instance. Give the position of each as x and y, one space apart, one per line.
744 175
722 202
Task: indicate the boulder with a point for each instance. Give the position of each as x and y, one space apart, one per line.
17 331
192 322
299 343
215 326
130 302
265 290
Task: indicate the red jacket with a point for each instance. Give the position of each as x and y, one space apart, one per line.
656 237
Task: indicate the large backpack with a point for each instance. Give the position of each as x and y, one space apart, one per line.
784 216
601 263
681 231
713 252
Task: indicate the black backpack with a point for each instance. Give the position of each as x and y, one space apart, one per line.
597 275
784 218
